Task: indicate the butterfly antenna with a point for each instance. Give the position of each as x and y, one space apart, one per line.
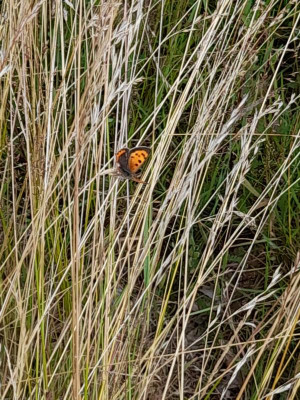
139 180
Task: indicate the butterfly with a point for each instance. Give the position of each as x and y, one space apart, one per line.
130 161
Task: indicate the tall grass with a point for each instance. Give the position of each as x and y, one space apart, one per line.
185 288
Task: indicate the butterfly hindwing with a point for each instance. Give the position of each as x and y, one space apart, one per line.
122 154
137 157
122 159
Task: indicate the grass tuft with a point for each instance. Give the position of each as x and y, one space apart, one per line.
184 288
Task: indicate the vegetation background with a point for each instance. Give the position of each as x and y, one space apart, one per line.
185 288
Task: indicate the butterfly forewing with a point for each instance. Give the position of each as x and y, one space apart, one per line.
137 158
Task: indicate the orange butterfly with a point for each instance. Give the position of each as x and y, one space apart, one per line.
130 161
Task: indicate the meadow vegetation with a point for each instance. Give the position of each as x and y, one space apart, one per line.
184 288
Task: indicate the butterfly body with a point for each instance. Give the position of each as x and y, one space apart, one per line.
130 161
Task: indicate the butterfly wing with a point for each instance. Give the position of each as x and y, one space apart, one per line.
137 158
122 160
